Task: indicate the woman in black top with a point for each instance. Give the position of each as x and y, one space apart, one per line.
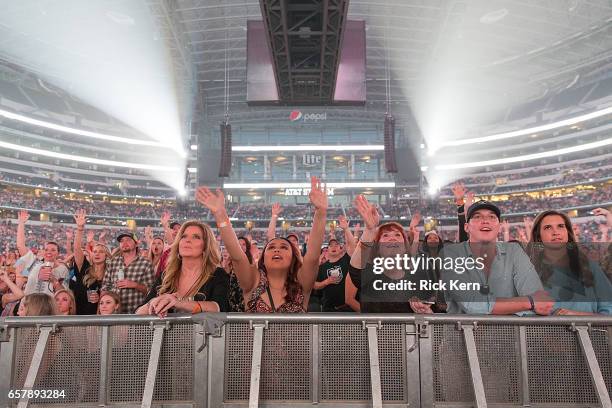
379 287
193 282
88 273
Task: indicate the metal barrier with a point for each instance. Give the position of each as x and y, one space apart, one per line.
339 360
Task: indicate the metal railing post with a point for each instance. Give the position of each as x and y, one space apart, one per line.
156 346
589 354
37 358
256 363
372 329
477 384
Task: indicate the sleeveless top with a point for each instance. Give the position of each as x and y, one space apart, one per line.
236 300
257 305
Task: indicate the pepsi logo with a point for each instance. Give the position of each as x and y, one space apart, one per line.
295 115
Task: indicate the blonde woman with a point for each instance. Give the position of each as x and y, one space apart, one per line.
64 302
37 304
193 282
89 270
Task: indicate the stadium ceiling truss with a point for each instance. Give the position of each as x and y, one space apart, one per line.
305 37
525 48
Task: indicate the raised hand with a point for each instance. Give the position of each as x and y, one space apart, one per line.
90 236
458 190
148 233
318 194
522 236
528 223
469 200
343 222
276 209
368 212
416 219
606 213
504 226
69 234
80 218
165 218
23 216
214 201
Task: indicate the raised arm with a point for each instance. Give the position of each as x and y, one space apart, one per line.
165 222
349 239
22 218
370 218
271 233
79 256
414 222
215 202
310 267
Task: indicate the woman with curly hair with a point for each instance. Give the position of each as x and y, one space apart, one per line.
193 282
577 284
281 281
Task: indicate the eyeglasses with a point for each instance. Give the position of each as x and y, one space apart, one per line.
491 218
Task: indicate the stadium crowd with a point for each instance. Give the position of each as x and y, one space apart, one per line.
185 267
152 210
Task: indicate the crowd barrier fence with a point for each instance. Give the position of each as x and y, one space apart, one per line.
323 360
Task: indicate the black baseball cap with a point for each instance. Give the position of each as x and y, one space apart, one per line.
293 235
127 234
333 240
483 205
173 223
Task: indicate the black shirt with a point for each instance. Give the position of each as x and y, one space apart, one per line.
385 301
214 289
333 294
78 287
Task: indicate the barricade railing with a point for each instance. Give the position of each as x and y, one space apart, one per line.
324 360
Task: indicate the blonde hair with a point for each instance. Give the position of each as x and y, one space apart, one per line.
211 259
39 304
90 278
72 309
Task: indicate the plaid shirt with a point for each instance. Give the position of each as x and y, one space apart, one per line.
139 270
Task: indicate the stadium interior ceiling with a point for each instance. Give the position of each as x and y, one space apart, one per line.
449 71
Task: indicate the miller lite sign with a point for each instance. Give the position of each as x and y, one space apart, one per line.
311 159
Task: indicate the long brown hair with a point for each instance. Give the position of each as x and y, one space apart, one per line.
211 259
292 284
578 262
90 278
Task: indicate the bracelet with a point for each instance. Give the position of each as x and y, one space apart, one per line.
367 245
197 308
531 302
224 223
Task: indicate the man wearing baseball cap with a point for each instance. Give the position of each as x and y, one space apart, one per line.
499 276
128 274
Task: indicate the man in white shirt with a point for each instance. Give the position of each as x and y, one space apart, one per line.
43 277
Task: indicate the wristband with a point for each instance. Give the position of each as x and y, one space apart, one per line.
531 302
367 245
197 308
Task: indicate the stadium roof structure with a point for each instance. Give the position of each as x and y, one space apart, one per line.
500 53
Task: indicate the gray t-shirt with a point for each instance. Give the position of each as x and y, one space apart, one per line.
32 265
512 274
